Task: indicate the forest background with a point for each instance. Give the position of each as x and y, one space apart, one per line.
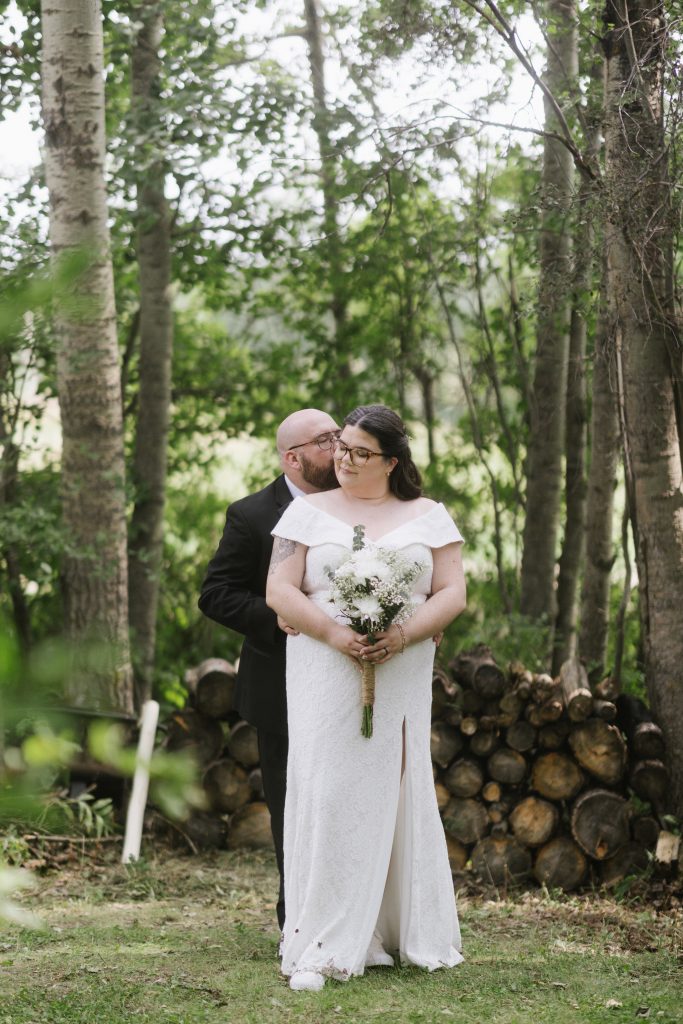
246 208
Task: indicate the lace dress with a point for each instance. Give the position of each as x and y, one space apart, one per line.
364 849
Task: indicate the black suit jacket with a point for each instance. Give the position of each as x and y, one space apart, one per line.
233 594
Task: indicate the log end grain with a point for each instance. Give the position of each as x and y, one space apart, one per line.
501 860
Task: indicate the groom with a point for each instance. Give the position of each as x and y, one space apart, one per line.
233 595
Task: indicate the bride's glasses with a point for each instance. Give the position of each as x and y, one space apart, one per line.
323 441
358 456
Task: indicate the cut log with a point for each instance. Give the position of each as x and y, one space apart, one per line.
472 702
645 830
477 669
631 859
484 742
492 792
204 831
465 820
500 828
607 689
543 687
521 736
553 735
256 783
442 795
469 725
647 742
600 823
191 731
605 709
243 744
453 716
507 766
457 853
560 864
227 786
212 687
518 671
509 709
522 687
650 781
497 812
556 776
550 710
250 828
446 742
534 821
446 693
500 860
576 693
668 852
464 778
600 749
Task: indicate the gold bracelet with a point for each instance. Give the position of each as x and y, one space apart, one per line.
399 627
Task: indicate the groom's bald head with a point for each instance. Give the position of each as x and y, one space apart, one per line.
307 465
302 426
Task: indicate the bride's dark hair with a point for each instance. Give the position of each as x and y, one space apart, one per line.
384 424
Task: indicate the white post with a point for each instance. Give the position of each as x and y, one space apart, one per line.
138 796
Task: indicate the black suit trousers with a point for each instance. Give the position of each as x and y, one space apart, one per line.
273 756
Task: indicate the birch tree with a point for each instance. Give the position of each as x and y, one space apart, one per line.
88 382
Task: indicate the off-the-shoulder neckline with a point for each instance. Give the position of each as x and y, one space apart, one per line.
383 536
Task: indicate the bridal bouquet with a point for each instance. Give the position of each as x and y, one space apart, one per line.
371 587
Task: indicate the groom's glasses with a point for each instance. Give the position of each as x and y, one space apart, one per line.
358 456
323 441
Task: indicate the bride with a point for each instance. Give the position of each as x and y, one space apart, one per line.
366 865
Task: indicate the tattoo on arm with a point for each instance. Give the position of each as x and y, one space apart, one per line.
282 550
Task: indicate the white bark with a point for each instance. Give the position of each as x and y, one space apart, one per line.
88 382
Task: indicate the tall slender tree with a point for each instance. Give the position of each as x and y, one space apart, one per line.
156 346
649 354
547 415
88 379
322 125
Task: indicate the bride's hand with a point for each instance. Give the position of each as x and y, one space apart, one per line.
388 643
347 641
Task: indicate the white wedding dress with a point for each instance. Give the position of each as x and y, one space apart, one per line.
365 851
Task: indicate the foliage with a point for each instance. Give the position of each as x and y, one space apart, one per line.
437 245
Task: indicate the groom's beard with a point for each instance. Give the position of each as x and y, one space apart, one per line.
322 477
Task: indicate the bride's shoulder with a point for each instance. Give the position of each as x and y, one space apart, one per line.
423 505
321 500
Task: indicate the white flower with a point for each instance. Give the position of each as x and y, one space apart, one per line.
368 607
366 564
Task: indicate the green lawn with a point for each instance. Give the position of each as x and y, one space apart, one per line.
190 940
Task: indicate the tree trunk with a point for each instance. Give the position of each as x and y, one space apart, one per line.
88 381
574 541
156 345
639 239
546 436
602 482
322 122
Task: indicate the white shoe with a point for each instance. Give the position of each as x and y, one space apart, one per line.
377 955
306 981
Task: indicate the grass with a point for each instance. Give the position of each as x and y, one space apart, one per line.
183 940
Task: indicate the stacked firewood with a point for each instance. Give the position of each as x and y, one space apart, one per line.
535 777
226 750
542 777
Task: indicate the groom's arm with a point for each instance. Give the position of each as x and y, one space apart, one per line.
230 591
